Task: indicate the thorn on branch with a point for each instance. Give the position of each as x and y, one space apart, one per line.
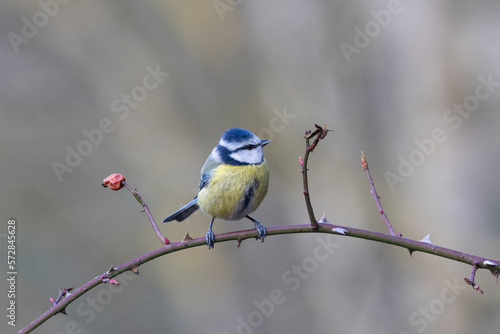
494 271
490 263
110 270
187 237
339 230
105 277
135 270
62 294
427 239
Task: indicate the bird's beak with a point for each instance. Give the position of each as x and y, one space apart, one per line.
264 142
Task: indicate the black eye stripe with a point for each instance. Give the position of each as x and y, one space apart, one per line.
246 147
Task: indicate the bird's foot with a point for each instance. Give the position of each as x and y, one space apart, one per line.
261 229
210 238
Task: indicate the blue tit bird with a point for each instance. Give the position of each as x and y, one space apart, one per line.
234 181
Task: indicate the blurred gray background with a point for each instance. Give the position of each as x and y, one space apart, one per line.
407 82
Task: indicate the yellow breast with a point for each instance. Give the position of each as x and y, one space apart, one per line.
234 191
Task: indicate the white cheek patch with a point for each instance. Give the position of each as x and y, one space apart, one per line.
248 156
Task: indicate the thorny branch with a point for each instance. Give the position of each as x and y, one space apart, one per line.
116 182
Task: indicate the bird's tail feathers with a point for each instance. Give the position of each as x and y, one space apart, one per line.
184 212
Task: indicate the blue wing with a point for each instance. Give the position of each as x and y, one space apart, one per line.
188 209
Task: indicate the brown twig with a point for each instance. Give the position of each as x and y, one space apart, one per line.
319 133
138 197
116 182
364 163
471 280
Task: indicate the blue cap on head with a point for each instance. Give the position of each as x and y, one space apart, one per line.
236 135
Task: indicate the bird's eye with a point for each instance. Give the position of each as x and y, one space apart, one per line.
249 147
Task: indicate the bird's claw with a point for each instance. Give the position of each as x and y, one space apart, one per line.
210 238
261 229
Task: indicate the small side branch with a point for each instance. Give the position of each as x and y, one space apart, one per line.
318 134
364 163
116 182
62 294
472 279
